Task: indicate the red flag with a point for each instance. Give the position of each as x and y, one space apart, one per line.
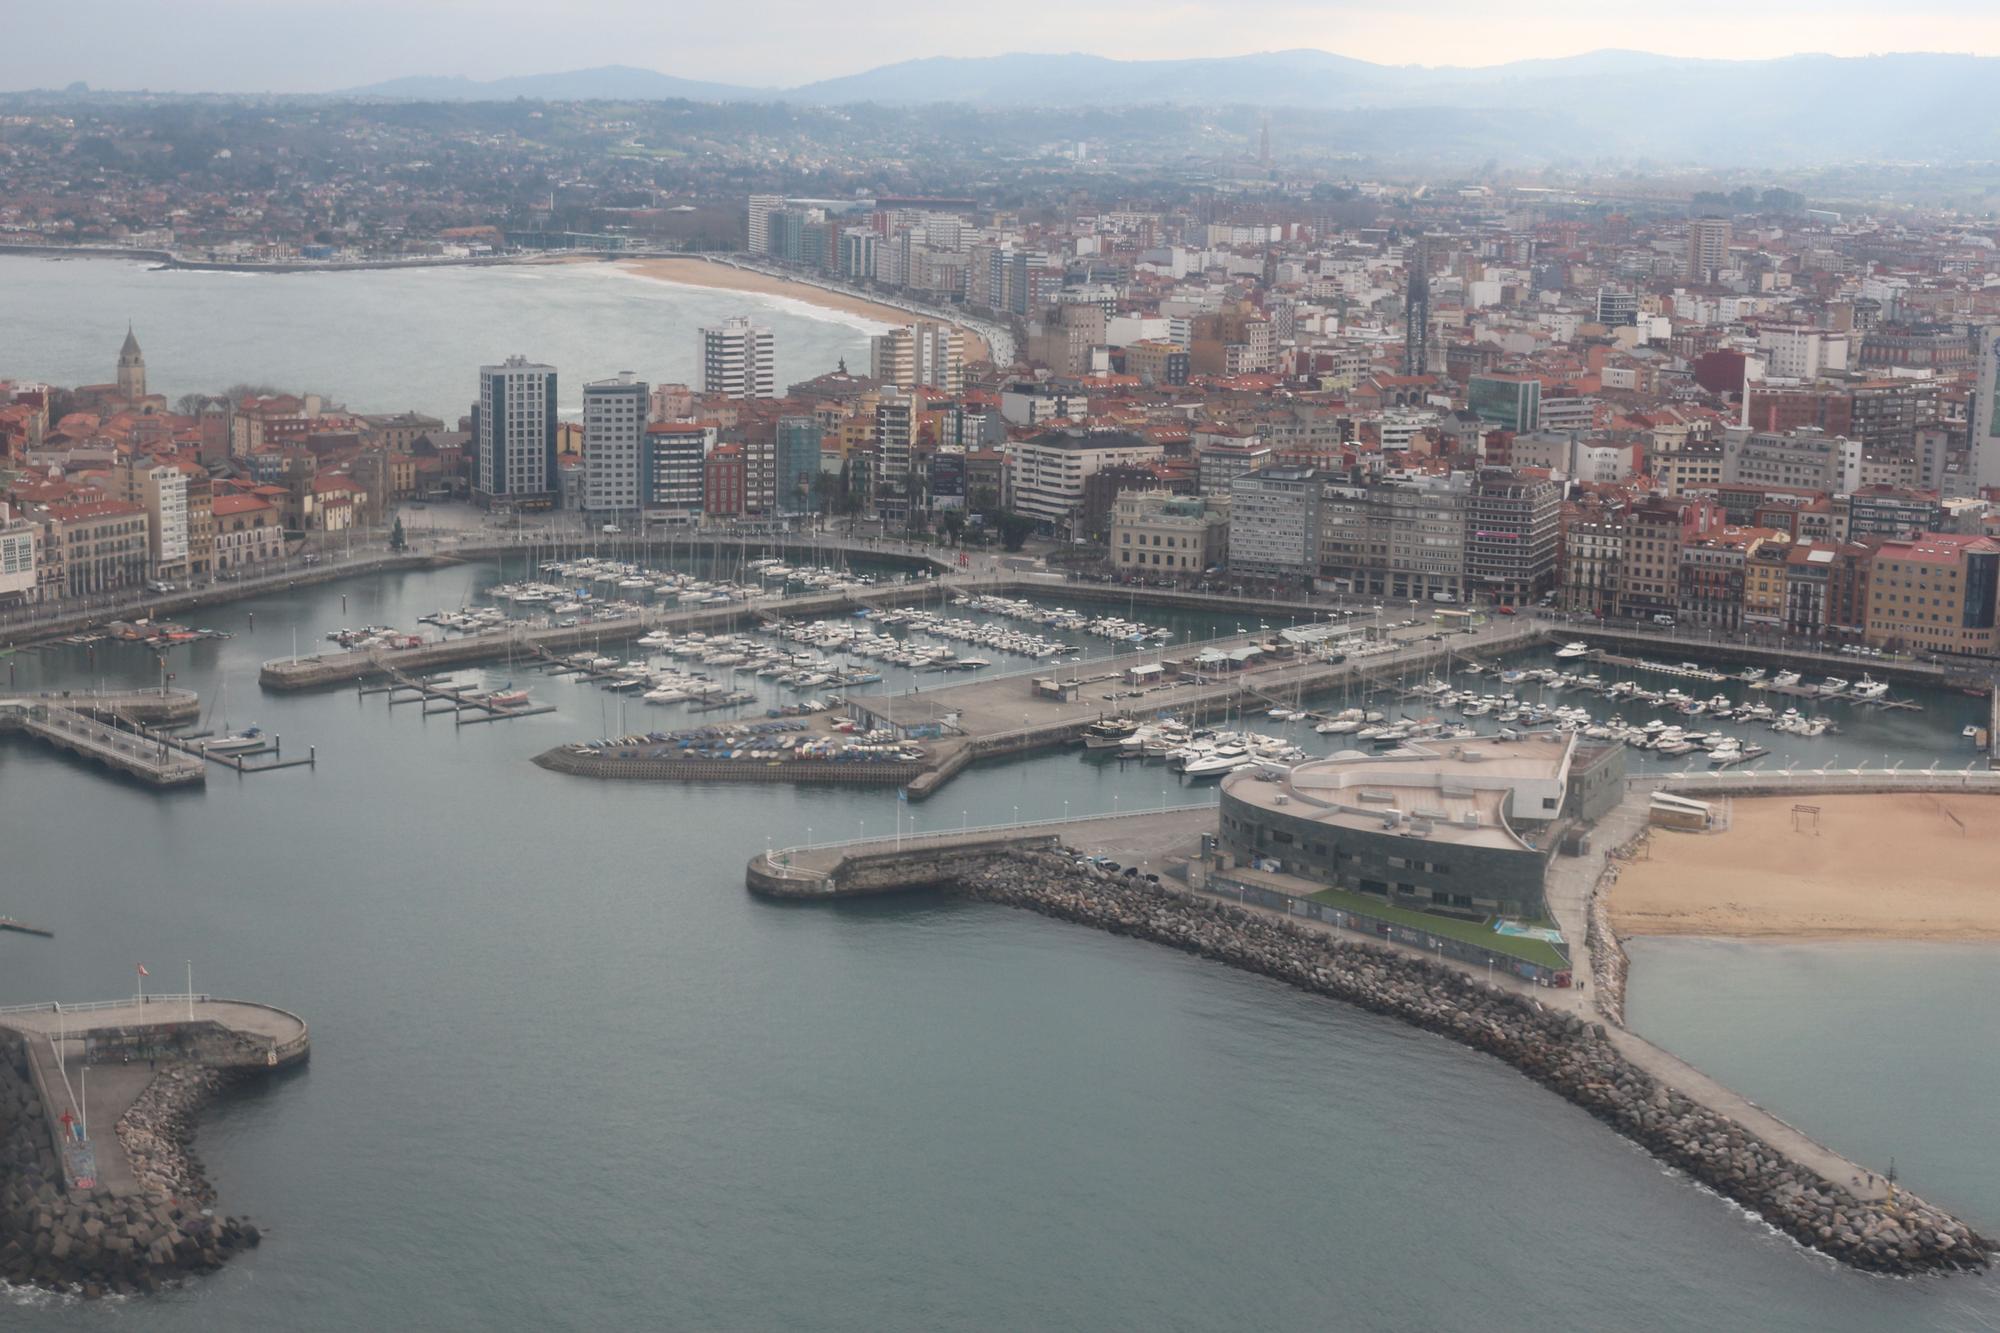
142 970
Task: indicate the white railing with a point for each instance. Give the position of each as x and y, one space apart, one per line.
90 1006
1829 779
979 832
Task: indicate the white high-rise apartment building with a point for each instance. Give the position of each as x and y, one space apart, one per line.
1798 352
757 239
925 353
161 490
516 442
614 439
738 360
1707 248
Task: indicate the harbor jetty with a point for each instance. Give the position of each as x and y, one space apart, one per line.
1045 706
100 726
528 642
1686 1120
101 1191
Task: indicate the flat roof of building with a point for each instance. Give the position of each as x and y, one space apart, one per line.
1458 792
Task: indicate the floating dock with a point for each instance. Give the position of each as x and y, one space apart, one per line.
439 699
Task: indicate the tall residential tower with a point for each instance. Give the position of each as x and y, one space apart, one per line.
738 360
614 439
515 436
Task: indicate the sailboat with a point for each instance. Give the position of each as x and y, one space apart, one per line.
250 738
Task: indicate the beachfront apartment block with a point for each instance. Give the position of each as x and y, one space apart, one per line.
738 360
926 353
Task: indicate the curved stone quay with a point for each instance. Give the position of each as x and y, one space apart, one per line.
1893 1232
127 1209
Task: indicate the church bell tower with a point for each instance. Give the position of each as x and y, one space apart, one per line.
131 369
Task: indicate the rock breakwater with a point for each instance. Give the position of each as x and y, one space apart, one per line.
96 1243
1904 1236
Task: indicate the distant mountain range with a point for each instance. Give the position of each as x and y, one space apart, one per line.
1620 102
619 83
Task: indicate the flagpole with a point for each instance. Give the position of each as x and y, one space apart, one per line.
190 963
142 984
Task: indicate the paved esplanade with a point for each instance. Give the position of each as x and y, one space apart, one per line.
57 1041
276 1026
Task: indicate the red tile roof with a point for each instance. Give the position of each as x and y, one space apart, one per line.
88 509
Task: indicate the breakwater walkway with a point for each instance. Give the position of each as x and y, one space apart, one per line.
1682 1116
87 724
99 1188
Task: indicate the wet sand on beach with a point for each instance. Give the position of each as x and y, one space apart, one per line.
1914 866
692 272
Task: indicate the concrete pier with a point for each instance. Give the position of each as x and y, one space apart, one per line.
1007 714
531 642
63 1040
100 1191
85 724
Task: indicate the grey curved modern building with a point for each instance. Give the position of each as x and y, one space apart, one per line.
1466 828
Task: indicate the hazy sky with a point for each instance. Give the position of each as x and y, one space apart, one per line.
319 45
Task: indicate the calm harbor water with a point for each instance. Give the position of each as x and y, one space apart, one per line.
567 1074
1879 1050
380 340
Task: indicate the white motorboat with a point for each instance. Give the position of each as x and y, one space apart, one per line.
1867 688
1222 759
1577 649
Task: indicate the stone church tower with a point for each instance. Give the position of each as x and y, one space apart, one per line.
131 370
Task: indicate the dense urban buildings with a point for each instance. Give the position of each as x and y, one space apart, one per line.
1716 412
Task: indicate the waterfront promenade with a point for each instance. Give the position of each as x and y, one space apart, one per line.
100 1191
93 1060
83 723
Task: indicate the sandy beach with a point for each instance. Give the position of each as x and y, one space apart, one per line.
694 272
1910 866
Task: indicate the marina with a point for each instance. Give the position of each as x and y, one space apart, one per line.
319 935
